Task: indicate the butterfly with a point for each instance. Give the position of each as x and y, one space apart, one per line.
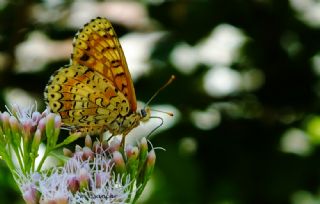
95 92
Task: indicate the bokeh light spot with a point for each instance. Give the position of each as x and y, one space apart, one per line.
206 120
188 146
295 141
221 81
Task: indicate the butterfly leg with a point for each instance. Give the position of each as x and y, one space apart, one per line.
123 141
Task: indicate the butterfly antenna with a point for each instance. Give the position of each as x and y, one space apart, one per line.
157 126
161 88
168 113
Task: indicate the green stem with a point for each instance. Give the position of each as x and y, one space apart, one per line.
19 155
25 151
8 160
139 192
17 152
46 153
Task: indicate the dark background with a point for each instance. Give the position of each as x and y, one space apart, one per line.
254 143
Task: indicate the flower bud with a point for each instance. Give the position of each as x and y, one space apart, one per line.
14 124
31 195
4 117
87 154
57 126
36 141
88 141
15 130
78 148
147 168
132 152
73 184
36 116
42 124
50 129
143 152
57 122
120 166
96 147
67 152
84 177
27 127
100 178
132 159
151 160
53 124
114 145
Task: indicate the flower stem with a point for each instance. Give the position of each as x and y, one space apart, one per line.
46 153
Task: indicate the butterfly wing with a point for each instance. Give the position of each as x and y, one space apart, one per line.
85 99
96 46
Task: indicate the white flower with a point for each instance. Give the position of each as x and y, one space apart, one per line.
27 116
105 187
79 181
53 187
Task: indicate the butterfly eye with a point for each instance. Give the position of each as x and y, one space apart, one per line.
143 113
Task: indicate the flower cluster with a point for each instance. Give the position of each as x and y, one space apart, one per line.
99 172
22 131
134 164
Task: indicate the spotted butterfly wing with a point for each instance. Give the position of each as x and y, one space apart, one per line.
95 92
97 46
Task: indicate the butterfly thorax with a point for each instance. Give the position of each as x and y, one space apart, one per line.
123 125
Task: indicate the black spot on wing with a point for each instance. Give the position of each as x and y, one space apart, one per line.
84 57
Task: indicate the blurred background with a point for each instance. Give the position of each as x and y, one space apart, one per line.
246 96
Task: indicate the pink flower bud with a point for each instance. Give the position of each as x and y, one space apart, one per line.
100 178
143 144
87 154
42 124
114 145
5 118
50 125
27 127
96 147
120 166
14 124
36 116
84 179
36 141
151 159
73 184
57 121
132 152
31 195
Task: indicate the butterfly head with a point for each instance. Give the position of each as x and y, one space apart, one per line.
145 114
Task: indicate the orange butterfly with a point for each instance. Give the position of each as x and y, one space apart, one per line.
95 92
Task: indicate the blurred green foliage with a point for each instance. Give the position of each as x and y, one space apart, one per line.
240 159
